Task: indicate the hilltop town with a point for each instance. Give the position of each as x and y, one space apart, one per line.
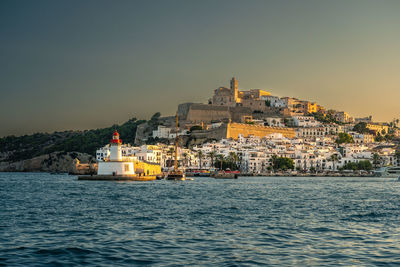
252 131
256 132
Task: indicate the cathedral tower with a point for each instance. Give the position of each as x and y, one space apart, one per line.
234 89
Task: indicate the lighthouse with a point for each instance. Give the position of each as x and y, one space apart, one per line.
115 147
116 165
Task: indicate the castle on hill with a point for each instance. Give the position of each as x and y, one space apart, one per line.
232 97
230 104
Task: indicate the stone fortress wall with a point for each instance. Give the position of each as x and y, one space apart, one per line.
203 113
233 130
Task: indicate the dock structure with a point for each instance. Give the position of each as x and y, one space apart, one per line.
116 178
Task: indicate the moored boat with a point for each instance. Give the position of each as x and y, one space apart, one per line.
387 172
176 174
225 175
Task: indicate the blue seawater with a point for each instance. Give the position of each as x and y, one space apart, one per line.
56 220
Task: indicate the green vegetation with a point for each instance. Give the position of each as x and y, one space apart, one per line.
29 146
231 161
361 165
212 156
200 156
344 138
282 163
361 127
376 159
326 118
334 158
379 138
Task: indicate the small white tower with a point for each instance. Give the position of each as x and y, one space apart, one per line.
115 147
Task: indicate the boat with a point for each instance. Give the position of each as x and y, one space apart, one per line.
197 173
225 175
159 177
176 174
388 172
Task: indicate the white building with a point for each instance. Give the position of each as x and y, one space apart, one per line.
162 132
305 121
274 122
362 138
274 101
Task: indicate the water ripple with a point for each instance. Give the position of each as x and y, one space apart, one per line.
57 220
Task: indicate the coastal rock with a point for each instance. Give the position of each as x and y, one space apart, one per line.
53 162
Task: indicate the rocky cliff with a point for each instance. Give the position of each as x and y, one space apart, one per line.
53 162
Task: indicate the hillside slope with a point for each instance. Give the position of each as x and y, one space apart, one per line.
30 152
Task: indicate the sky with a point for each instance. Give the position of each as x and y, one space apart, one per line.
91 64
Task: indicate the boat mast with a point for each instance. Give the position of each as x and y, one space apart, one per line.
176 144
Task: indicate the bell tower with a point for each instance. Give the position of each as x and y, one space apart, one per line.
234 89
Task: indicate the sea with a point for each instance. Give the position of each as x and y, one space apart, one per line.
56 220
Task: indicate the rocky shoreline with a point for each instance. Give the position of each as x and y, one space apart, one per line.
56 162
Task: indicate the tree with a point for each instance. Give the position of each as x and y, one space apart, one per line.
365 165
379 138
220 161
344 138
361 165
200 156
282 163
334 158
361 127
212 155
185 157
328 117
286 121
233 158
376 159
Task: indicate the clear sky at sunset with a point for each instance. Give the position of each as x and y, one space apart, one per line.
90 64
